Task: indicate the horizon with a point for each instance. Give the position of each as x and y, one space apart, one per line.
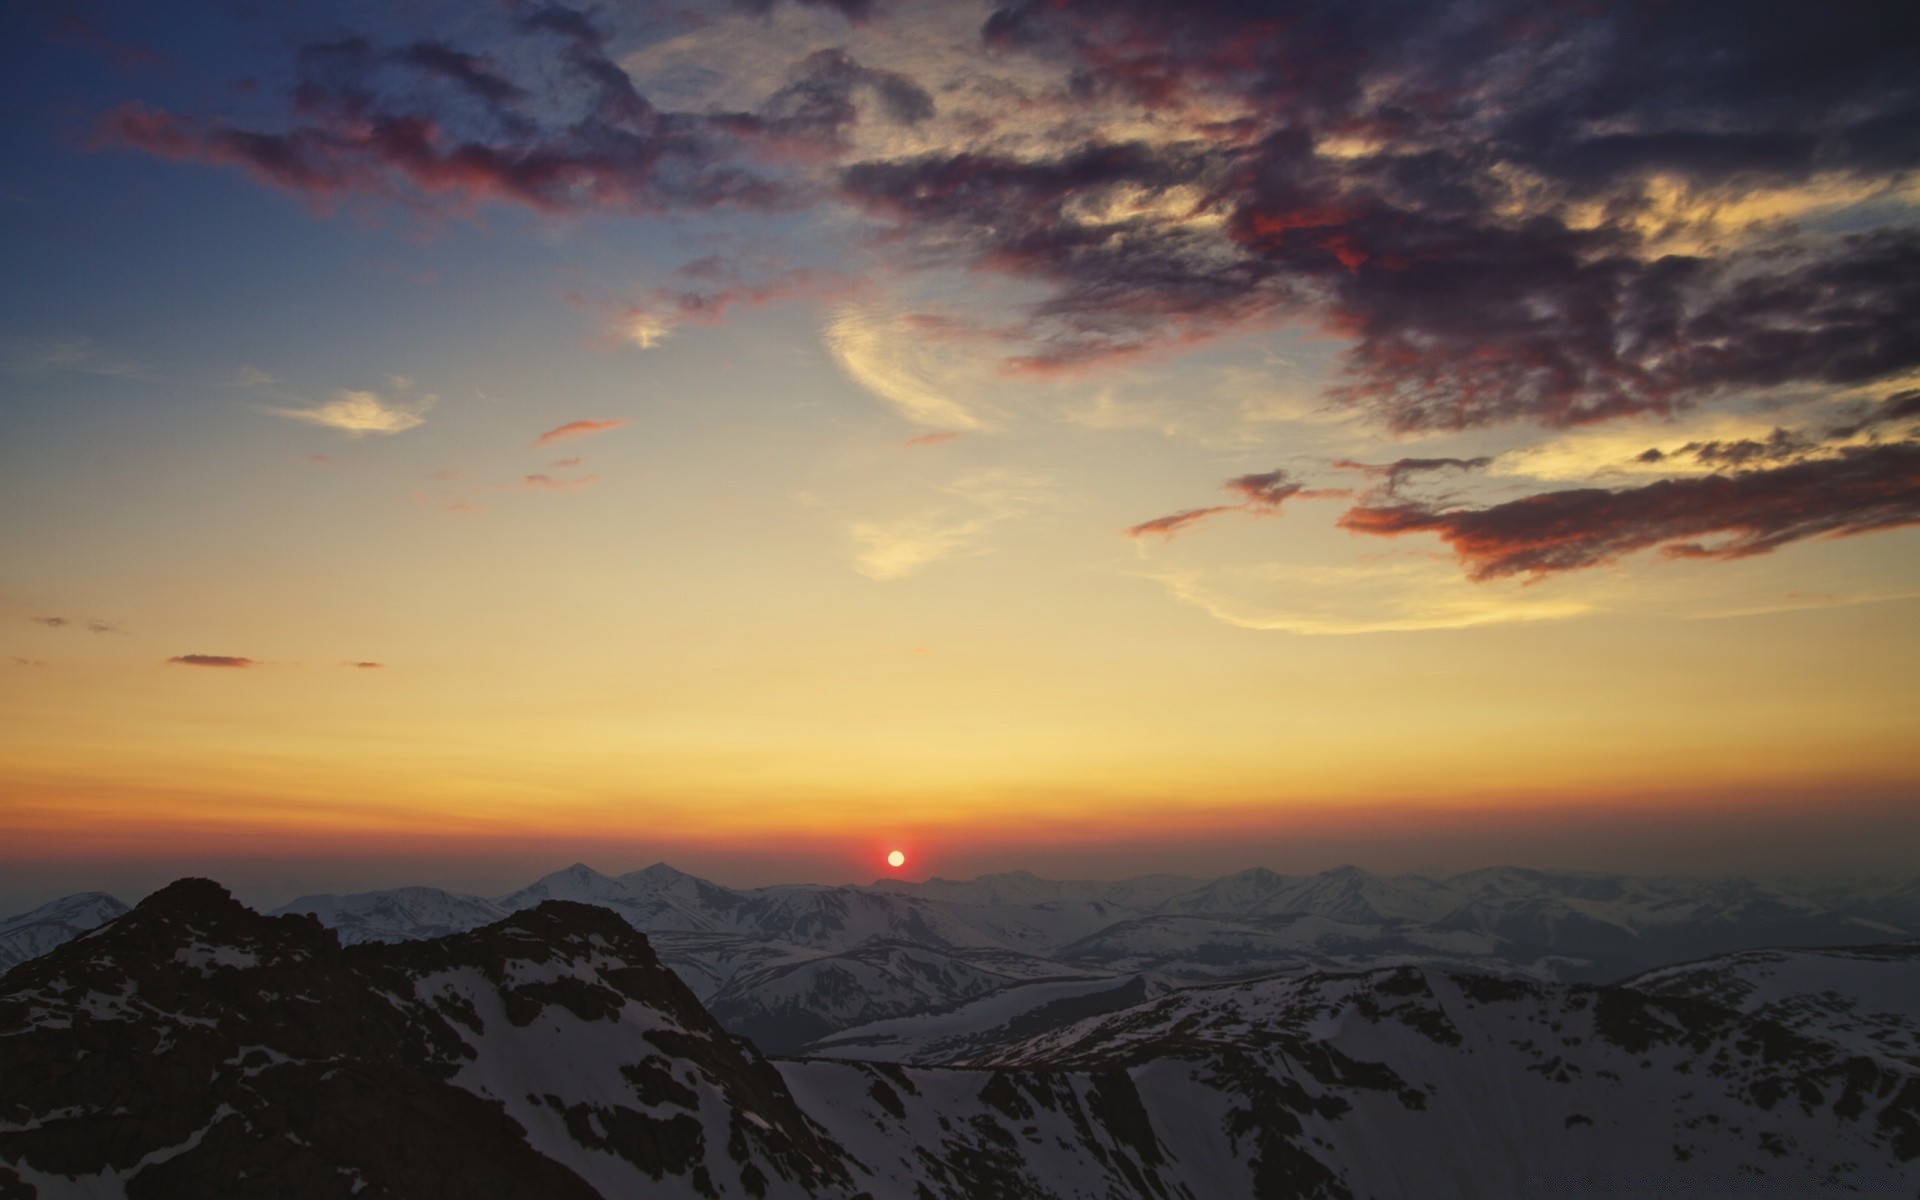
265 897
762 434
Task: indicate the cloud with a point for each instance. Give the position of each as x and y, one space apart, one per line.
1506 214
577 429
1173 523
17 661
357 414
1400 470
1487 218
1860 489
36 357
547 483
961 527
550 122
931 439
892 355
91 624
210 660
364 666
1263 493
565 464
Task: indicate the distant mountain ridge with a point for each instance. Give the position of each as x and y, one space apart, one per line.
33 933
192 1047
794 964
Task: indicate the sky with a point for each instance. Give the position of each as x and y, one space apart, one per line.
443 441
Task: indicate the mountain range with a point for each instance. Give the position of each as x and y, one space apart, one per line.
799 965
193 1047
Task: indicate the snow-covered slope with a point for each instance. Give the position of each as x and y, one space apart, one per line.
1412 1083
399 914
1866 998
31 934
786 1006
1536 924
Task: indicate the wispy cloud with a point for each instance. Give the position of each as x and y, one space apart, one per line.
577 429
357 413
210 660
931 439
54 355
892 356
17 661
364 666
1261 494
547 483
91 624
959 528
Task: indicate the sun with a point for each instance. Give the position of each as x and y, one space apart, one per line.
896 859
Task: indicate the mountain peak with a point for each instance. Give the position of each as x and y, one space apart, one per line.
190 894
659 872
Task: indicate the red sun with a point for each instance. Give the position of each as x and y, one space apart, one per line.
896 859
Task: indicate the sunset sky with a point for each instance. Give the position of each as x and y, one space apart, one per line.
443 441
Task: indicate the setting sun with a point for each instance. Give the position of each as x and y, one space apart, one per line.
896 859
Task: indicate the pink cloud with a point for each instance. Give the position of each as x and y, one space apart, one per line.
577 429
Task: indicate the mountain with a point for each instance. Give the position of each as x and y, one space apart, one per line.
786 1006
1862 997
771 959
1405 1082
193 1047
1010 889
399 914
32 934
196 1048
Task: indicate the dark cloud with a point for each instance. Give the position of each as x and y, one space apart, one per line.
364 666
210 660
819 106
1901 406
1465 191
1860 489
50 622
1269 489
363 126
853 10
1398 471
